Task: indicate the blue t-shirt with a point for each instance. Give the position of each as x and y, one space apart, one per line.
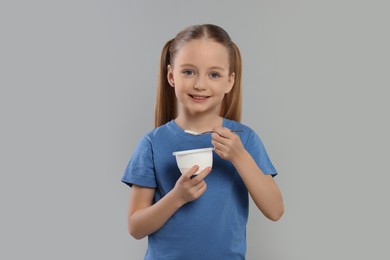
213 226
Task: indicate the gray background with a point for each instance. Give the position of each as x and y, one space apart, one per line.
78 90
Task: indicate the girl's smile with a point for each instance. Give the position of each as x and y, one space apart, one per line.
199 99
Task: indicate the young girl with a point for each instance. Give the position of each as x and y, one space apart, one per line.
202 217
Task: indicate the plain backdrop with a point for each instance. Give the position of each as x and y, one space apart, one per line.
78 86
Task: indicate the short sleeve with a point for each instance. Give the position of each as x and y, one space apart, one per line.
140 169
257 150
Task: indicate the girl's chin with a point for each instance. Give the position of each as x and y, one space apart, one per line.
201 110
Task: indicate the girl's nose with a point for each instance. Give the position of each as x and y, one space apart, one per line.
199 84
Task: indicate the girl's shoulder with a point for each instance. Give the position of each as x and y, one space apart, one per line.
163 131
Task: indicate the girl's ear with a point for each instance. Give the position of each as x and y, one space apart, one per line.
230 83
170 76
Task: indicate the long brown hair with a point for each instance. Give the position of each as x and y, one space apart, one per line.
166 103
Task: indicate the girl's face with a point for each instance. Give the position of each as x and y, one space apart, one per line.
200 76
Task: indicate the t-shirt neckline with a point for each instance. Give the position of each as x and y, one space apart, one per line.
180 131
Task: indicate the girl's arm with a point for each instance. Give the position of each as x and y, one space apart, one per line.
260 186
145 218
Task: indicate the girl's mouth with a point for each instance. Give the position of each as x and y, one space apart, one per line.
198 98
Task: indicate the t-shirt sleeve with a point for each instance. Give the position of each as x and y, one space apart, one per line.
140 169
257 150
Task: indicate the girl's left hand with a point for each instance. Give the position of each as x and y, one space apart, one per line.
227 144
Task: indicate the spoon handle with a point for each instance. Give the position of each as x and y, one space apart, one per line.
209 132
233 131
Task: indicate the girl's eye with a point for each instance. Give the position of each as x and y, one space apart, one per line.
215 75
188 72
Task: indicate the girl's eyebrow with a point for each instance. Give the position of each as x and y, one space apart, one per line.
213 67
217 68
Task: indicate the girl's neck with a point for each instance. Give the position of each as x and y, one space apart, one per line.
199 124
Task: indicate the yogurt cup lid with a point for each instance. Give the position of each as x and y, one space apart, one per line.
193 151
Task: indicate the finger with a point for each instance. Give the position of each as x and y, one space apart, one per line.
222 136
190 172
199 185
215 137
201 190
220 153
200 177
223 132
217 131
217 145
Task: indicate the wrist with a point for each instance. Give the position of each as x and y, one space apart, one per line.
240 158
175 198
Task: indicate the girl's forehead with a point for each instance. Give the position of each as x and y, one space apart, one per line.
203 51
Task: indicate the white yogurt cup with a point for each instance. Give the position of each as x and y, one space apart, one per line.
187 159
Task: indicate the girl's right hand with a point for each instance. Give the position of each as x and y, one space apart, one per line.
188 188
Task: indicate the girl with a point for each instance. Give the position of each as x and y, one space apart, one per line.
201 217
